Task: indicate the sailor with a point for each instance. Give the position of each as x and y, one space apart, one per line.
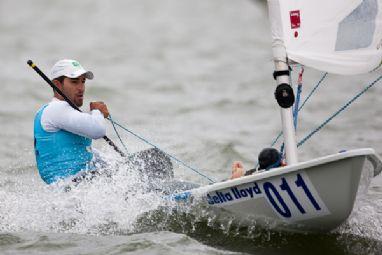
63 135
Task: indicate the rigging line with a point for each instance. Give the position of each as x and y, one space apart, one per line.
313 90
302 105
116 131
171 156
339 111
298 97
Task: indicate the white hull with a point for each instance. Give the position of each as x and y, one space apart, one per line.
316 195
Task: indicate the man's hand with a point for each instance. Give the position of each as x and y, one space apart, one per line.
237 170
101 106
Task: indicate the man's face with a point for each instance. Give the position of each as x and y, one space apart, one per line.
74 89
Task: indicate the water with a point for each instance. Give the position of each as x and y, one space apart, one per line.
191 76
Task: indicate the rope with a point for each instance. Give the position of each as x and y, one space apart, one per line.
339 111
295 110
313 90
168 154
119 137
298 97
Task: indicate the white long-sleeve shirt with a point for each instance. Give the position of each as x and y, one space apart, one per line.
60 115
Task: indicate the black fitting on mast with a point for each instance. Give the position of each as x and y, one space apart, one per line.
284 95
281 73
284 92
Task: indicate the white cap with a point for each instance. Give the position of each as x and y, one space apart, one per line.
69 68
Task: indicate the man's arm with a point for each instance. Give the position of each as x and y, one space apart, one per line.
60 115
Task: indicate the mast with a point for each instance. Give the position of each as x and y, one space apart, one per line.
284 92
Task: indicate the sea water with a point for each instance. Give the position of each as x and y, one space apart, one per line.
194 78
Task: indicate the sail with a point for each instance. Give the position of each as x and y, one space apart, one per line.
336 36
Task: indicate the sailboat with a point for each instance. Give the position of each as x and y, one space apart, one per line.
341 37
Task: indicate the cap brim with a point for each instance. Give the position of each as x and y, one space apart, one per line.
88 74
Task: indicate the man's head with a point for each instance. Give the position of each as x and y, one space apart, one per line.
69 76
269 157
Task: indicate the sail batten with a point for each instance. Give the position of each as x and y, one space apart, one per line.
341 36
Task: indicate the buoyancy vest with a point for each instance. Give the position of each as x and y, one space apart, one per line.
59 154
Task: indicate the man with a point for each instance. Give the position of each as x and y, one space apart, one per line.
63 135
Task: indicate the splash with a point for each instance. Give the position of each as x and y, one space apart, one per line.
109 203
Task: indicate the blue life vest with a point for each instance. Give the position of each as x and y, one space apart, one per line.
59 154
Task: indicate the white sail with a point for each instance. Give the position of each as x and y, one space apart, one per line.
337 36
